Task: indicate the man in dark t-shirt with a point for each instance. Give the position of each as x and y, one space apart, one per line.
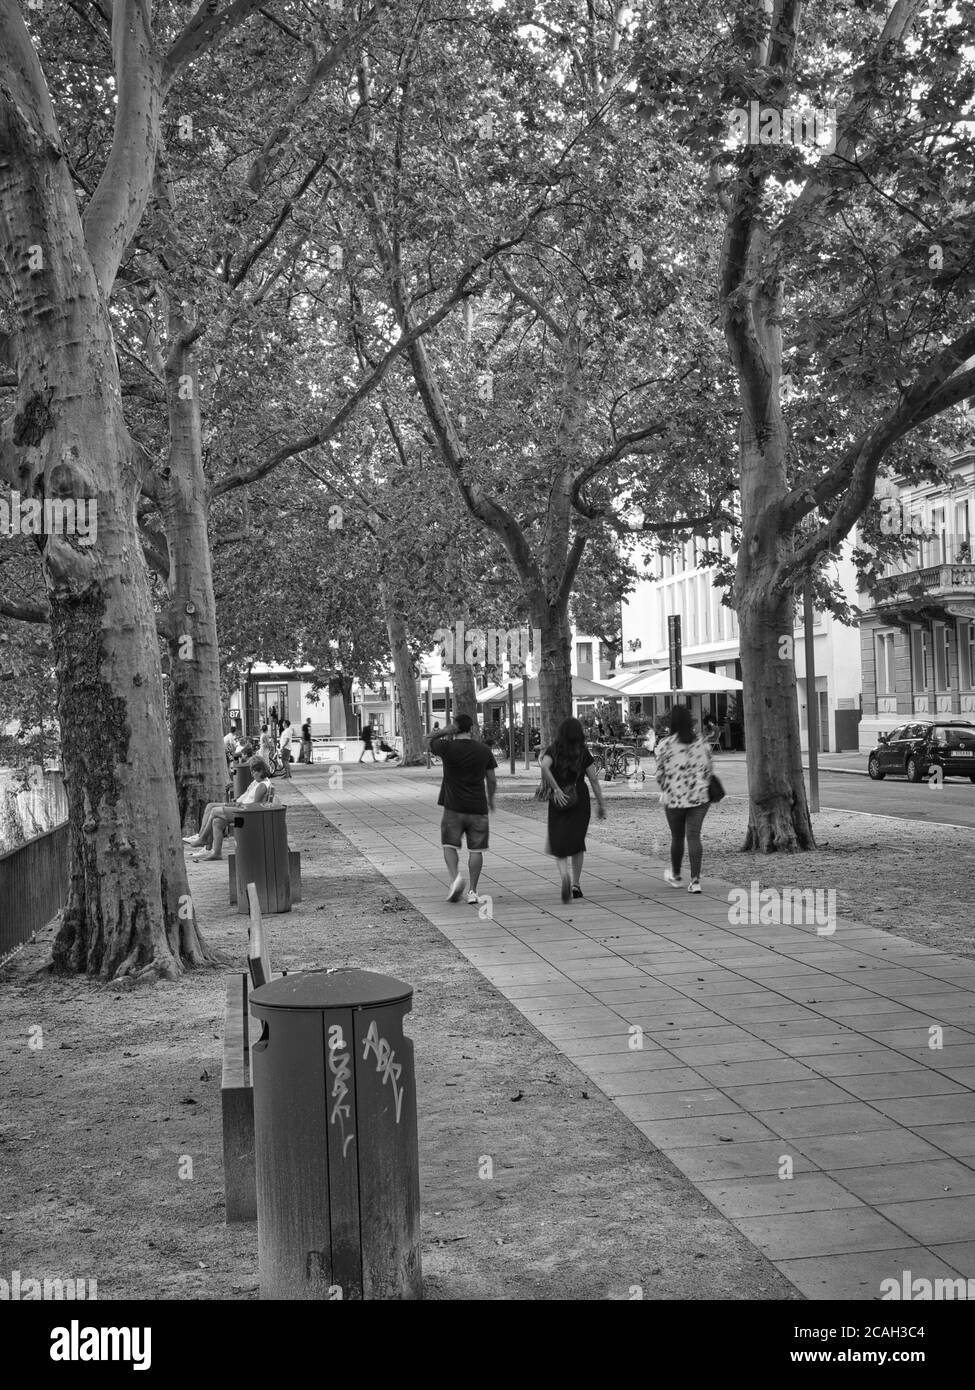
467 765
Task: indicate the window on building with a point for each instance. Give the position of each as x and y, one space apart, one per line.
941 656
583 653
886 682
962 538
938 545
966 654
920 660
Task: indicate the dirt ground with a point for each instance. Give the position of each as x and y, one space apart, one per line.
110 1145
909 877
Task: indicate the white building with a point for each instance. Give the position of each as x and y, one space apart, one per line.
918 631
677 583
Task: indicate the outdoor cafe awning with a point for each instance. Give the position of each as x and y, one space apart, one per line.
582 689
695 682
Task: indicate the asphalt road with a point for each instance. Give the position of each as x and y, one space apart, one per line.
951 804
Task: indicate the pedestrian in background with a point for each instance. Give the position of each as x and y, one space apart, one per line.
304 756
267 746
684 770
467 796
284 745
565 766
367 747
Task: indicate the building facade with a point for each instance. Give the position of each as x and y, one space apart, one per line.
678 583
918 629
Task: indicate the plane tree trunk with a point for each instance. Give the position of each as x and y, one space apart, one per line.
778 814
399 646
128 911
199 764
464 689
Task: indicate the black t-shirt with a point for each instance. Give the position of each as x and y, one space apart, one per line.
465 764
366 735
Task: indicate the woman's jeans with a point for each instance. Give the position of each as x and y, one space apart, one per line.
686 820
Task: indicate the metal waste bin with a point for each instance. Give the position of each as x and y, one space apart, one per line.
261 835
243 777
338 1188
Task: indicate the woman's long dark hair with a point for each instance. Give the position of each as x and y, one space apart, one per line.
568 751
682 723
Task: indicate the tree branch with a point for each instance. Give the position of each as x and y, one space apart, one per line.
624 444
25 612
117 205
317 74
203 31
404 344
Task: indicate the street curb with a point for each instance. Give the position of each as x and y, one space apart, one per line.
843 771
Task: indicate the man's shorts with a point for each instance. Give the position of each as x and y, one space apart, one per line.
456 824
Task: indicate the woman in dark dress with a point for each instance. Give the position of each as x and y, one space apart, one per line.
565 766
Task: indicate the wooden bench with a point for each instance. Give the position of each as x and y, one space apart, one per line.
236 1087
294 869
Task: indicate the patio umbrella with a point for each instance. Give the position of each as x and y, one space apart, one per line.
582 689
627 679
696 682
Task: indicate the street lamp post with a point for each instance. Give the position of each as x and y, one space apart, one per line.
812 710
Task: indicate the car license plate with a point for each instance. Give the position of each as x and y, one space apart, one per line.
962 753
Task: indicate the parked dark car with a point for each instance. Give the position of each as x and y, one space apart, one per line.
914 750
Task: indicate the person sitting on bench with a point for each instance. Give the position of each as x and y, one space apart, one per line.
218 816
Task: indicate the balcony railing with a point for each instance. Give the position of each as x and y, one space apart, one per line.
936 579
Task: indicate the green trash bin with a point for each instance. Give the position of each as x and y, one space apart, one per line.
243 777
335 1138
261 835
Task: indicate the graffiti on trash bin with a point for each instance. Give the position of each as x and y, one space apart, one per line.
385 1062
338 1065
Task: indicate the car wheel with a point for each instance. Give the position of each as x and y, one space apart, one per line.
971 777
914 769
873 767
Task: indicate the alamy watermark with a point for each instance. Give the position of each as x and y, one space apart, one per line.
768 125
52 516
487 646
926 1290
20 1289
77 1343
768 907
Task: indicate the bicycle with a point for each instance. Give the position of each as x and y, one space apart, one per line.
626 762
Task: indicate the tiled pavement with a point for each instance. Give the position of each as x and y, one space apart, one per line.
765 1049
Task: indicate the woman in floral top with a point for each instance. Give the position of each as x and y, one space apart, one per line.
684 774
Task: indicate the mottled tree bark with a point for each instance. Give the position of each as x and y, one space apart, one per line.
199 764
413 751
464 690
128 912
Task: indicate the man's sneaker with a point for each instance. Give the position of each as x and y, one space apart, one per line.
456 889
674 880
472 898
694 886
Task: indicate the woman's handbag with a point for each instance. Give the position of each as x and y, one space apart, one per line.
544 793
716 791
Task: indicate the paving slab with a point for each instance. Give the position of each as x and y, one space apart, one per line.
790 1076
